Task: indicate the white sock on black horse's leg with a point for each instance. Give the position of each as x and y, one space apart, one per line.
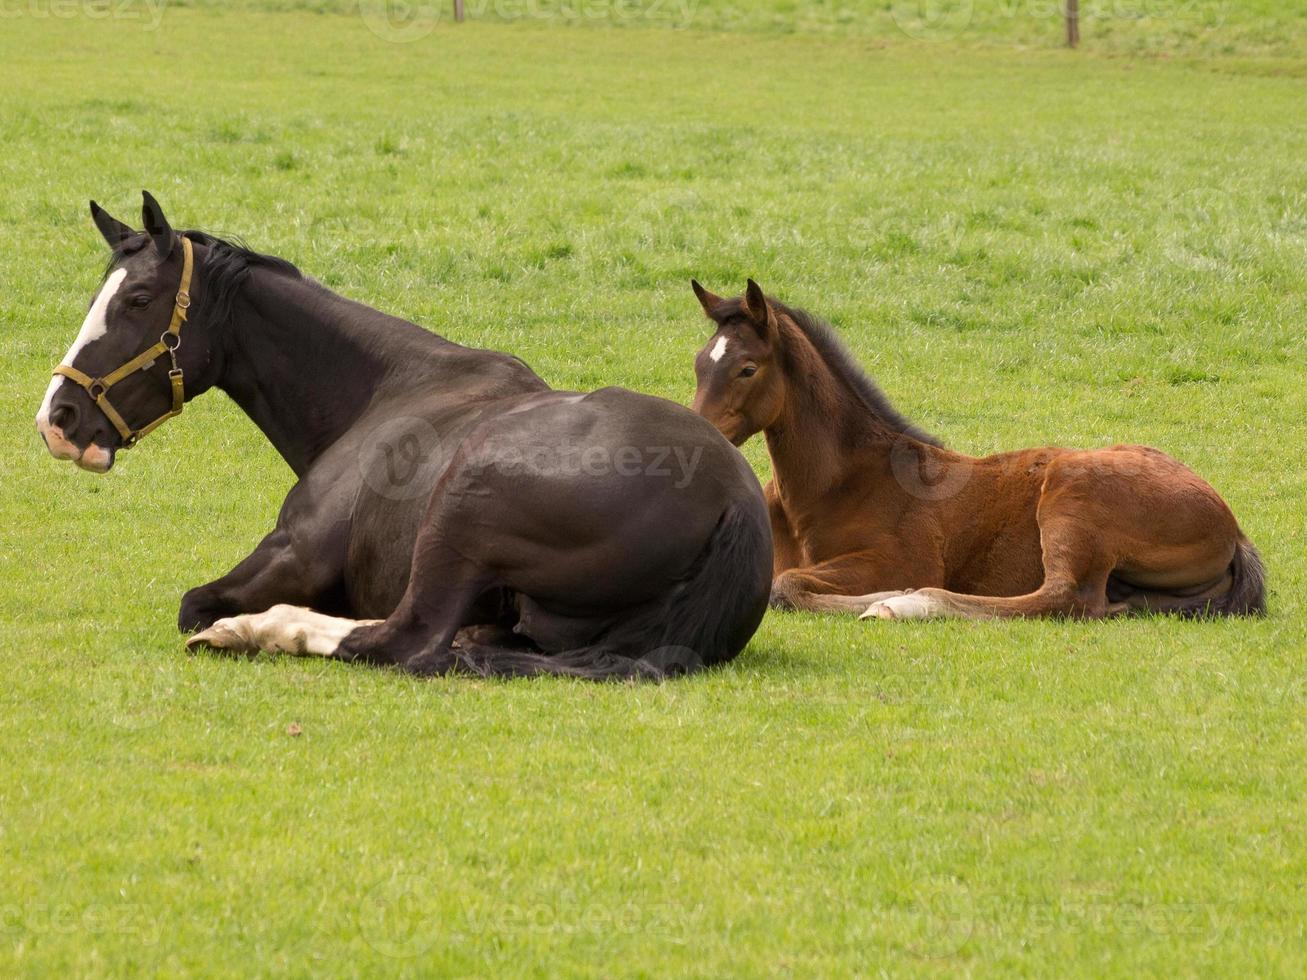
282 629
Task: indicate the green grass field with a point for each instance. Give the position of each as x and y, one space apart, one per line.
1024 245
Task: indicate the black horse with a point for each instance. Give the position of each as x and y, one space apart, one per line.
452 512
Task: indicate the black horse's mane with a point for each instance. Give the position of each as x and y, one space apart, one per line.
226 266
845 366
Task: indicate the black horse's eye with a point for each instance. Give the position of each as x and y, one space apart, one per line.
139 301
748 371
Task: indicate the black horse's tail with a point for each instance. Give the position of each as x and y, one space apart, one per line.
705 619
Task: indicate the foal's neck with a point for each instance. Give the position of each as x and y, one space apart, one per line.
826 428
304 363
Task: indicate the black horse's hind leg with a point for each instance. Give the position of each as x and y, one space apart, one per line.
270 575
419 635
447 590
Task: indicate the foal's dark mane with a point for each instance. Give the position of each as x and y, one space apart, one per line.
226 267
831 349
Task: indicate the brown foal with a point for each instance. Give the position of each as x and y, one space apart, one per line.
874 517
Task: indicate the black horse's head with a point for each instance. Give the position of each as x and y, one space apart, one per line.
135 314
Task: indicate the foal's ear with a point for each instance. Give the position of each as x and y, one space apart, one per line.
113 230
157 225
709 301
759 310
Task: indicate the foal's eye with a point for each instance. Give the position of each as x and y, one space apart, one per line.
748 371
139 301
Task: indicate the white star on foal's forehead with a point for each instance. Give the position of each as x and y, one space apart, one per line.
718 350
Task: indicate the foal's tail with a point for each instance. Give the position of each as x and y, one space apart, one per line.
1247 595
705 619
1247 592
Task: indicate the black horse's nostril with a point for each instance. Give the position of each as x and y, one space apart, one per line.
63 417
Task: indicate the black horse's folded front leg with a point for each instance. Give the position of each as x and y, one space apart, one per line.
272 574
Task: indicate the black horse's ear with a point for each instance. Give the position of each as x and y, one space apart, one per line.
113 230
759 310
157 225
709 301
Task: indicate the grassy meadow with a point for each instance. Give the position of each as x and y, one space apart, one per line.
1024 245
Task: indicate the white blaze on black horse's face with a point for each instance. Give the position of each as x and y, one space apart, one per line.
127 315
51 420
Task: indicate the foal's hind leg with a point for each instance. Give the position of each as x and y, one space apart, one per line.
1078 558
1076 570
1126 515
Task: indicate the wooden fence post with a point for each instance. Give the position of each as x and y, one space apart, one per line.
1072 23
458 11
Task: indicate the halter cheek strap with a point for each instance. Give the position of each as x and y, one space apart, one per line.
169 342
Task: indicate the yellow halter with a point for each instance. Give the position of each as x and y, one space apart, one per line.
169 341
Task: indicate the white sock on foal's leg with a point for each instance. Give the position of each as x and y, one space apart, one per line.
911 605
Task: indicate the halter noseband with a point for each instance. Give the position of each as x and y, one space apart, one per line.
169 341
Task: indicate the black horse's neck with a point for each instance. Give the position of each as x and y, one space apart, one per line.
304 363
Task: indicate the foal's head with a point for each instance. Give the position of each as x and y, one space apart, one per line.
741 387
124 373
